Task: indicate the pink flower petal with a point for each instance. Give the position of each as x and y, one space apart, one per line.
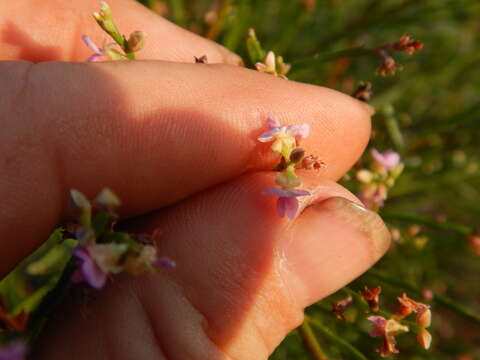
301 131
274 190
290 206
269 135
91 272
388 159
272 123
91 45
95 58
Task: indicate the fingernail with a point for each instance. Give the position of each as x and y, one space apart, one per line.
331 243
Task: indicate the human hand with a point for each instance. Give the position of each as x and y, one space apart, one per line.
179 139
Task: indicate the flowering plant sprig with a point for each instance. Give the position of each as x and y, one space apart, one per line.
285 141
375 182
127 47
266 62
102 251
388 325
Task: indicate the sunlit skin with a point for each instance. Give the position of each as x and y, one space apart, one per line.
177 139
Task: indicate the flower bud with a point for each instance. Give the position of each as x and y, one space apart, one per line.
297 155
424 318
107 199
136 41
81 207
372 297
364 176
424 338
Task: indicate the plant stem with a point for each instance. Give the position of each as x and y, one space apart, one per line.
425 220
310 341
217 25
342 344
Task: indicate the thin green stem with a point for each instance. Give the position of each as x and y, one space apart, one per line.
342 344
310 341
427 221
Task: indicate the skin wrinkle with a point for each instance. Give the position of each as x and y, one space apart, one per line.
157 339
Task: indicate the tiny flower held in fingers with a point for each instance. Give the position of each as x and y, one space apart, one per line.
283 137
88 270
98 54
287 203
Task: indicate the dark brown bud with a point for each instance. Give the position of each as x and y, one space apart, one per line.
363 92
297 155
371 296
201 60
339 307
388 66
407 44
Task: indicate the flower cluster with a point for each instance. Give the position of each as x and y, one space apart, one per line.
285 143
389 328
273 65
413 236
122 48
388 65
101 251
267 63
376 181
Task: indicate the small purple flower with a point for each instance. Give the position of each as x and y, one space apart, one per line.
165 263
275 129
388 159
287 203
14 351
97 52
88 270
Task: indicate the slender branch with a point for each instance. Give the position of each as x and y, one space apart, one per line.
342 344
428 221
310 341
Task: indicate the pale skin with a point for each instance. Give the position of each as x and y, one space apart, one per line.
175 140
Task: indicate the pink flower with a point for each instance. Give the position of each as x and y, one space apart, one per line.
275 129
97 52
14 351
388 159
287 203
88 270
387 329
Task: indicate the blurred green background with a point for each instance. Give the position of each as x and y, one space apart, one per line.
429 113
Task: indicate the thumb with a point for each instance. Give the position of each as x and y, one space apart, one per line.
242 280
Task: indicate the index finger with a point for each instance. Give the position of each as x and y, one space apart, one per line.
155 132
51 30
